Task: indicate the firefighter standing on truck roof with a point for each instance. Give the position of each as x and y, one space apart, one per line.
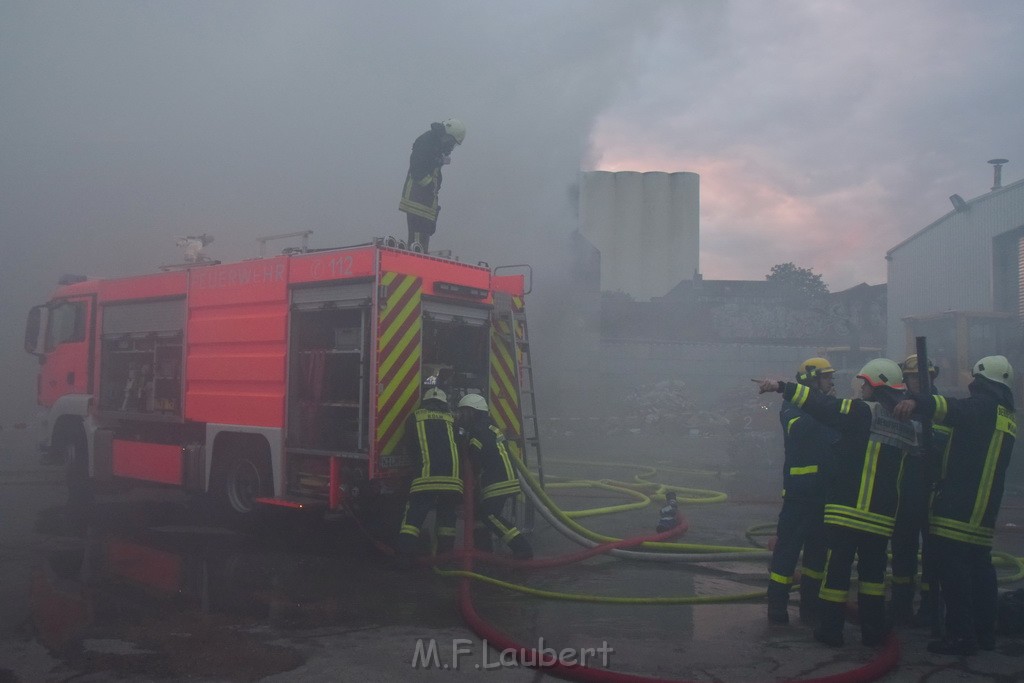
967 500
430 435
430 152
920 472
808 448
863 496
498 481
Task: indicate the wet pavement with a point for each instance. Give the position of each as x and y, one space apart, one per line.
138 587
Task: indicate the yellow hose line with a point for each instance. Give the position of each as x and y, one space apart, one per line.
642 500
757 530
654 490
696 495
601 538
647 470
607 599
1000 558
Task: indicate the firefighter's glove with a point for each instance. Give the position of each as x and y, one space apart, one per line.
904 409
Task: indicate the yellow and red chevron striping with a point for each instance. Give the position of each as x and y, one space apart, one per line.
399 355
503 382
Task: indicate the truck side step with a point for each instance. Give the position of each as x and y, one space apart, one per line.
297 504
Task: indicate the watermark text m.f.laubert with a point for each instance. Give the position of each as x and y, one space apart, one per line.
428 654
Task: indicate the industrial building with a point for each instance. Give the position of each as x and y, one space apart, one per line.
651 316
958 283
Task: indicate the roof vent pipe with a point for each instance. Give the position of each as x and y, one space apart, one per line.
997 165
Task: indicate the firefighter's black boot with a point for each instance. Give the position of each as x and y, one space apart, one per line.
445 544
778 603
938 615
831 618
809 603
901 607
405 551
873 625
520 547
482 539
961 646
926 610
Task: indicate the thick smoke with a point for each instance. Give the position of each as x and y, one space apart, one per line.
126 125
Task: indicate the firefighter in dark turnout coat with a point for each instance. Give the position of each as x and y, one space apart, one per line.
430 152
920 473
430 435
963 515
498 481
808 447
863 495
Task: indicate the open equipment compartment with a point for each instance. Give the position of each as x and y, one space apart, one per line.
142 357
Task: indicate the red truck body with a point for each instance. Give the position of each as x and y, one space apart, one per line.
283 380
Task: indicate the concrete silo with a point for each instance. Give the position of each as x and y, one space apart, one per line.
646 226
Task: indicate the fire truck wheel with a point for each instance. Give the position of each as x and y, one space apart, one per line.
238 482
69 446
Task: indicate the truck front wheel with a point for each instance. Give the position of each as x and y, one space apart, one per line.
238 480
69 446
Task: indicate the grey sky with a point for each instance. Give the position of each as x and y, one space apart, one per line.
824 132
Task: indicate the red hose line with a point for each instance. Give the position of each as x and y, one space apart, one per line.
681 528
883 662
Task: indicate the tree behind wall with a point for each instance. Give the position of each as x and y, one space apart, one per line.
801 280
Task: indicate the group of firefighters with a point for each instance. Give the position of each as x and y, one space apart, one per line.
899 464
861 476
436 438
433 434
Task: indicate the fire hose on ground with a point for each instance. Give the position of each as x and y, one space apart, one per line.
657 546
884 661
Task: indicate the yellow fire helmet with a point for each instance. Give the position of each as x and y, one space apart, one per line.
909 366
812 368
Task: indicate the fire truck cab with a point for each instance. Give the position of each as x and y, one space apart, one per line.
282 380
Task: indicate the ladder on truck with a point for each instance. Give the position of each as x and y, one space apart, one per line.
518 337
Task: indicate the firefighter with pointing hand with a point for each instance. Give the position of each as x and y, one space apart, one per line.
808 448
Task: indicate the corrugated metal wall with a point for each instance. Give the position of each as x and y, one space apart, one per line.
646 226
237 341
948 266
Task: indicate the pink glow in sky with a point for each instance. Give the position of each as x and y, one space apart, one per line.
824 133
749 223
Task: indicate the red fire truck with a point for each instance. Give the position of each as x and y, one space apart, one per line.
281 380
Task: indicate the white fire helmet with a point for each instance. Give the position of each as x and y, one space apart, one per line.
455 128
435 394
882 372
474 401
995 368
